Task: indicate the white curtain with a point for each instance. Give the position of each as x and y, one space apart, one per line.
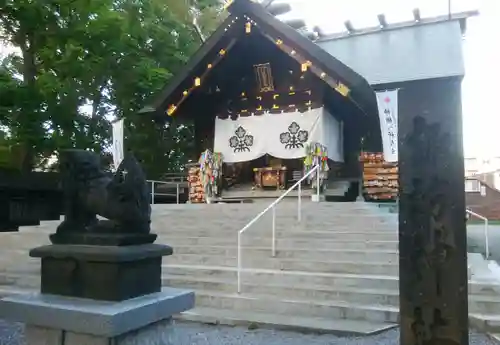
241 140
387 102
282 136
332 136
289 133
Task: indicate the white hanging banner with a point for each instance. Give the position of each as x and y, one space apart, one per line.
387 102
240 140
118 153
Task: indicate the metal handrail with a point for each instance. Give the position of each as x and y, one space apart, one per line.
272 206
486 237
153 194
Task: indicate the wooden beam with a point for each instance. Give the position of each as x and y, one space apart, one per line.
416 14
295 23
382 20
348 26
277 9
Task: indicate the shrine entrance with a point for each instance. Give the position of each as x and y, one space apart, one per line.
225 80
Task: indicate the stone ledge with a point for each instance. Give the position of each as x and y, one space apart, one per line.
102 253
99 318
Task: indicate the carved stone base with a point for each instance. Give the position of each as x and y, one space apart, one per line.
101 272
100 239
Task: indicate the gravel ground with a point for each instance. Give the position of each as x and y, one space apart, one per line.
198 334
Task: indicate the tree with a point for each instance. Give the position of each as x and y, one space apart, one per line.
172 39
83 62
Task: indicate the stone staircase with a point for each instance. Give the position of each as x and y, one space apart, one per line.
335 271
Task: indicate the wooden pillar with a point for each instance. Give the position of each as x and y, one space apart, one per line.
432 230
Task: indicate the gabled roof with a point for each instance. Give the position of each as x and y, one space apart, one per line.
337 75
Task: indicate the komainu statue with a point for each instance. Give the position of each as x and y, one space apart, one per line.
121 200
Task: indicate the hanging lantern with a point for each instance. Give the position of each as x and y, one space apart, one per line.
197 81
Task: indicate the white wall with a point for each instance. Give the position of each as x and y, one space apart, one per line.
410 53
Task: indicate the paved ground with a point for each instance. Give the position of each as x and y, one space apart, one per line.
196 334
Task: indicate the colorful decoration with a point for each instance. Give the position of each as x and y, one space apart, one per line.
227 4
171 110
380 178
316 154
342 89
305 65
211 172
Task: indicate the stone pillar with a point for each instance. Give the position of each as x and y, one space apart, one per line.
432 231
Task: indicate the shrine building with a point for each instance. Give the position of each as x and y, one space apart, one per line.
260 93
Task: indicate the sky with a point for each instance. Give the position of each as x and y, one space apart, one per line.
481 117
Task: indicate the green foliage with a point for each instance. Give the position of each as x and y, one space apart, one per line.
82 63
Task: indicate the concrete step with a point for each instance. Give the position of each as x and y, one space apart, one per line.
352 267
305 290
309 243
390 256
303 235
297 291
287 322
298 307
359 295
278 277
292 278
485 322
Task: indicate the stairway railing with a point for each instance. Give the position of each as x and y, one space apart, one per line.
155 184
272 207
486 232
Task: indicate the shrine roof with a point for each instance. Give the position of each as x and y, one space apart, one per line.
337 75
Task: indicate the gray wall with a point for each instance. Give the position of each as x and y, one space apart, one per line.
411 53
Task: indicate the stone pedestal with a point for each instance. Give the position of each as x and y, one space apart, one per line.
53 320
93 295
109 273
